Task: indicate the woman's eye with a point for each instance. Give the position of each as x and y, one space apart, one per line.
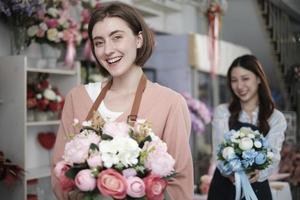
98 43
117 37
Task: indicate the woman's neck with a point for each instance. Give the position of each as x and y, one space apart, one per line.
127 83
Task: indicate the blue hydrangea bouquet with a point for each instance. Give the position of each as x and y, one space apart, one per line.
241 152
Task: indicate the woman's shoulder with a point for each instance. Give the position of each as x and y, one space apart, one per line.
221 111
277 116
164 94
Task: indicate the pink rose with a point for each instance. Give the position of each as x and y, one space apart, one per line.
160 163
136 187
52 23
85 181
116 129
60 169
155 187
112 183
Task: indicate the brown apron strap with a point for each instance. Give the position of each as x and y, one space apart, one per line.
99 100
137 100
136 103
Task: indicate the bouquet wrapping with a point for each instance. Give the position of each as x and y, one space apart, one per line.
116 160
241 152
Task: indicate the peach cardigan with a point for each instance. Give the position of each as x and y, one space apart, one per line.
168 113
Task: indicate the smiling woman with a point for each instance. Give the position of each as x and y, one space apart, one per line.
251 106
122 43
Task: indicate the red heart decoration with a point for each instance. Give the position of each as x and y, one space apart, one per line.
47 140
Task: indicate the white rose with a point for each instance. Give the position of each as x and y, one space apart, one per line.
32 30
53 12
242 134
246 143
39 96
49 94
52 34
250 135
270 154
227 152
257 144
235 134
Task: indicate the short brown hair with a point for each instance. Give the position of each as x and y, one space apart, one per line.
135 22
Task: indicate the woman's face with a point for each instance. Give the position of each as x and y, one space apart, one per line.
115 45
244 84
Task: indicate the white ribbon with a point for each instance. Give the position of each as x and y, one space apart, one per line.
242 184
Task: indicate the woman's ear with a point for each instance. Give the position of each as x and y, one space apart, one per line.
139 40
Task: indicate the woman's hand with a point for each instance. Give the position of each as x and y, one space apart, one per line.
253 176
231 178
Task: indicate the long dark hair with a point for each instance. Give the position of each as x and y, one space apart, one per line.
135 22
266 103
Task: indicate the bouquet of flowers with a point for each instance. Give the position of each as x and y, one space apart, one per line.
53 25
115 159
43 97
242 152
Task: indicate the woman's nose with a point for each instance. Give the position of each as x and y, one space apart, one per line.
108 48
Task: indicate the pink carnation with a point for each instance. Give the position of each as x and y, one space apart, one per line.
160 163
136 187
112 183
116 129
77 150
94 160
85 181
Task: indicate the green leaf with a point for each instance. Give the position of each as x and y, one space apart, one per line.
72 172
94 147
148 138
106 137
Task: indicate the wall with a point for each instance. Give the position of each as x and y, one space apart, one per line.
243 24
4 40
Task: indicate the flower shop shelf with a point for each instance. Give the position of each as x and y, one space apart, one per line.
38 172
53 71
22 142
43 123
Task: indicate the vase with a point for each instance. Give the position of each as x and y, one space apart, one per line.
41 116
18 39
30 115
51 54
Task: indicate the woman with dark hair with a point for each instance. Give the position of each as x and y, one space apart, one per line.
122 43
251 106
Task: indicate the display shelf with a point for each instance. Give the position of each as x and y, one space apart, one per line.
53 71
39 172
21 144
43 123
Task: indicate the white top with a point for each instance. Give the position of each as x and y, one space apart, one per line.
93 89
275 136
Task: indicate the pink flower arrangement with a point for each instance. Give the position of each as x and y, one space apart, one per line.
116 160
200 113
